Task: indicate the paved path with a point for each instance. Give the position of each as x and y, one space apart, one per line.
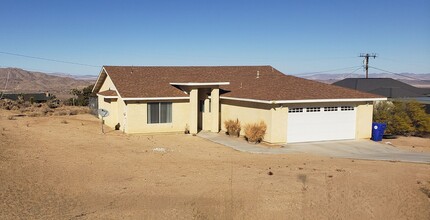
366 150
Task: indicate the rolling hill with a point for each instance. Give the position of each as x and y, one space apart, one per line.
27 81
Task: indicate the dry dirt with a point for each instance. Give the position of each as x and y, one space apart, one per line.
63 167
416 144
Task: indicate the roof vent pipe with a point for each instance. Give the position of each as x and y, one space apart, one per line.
258 74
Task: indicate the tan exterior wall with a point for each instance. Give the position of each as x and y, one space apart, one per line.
364 121
111 105
279 124
107 85
121 115
247 112
137 118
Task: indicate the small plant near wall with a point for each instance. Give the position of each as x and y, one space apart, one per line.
187 129
232 127
255 132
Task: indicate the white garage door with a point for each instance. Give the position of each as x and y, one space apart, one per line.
321 123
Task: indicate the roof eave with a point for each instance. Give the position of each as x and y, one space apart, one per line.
154 98
200 84
305 100
98 78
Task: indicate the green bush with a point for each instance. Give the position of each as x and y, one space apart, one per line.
402 118
81 97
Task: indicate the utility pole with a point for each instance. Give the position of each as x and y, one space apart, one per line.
366 61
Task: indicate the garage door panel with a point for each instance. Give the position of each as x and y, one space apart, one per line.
321 126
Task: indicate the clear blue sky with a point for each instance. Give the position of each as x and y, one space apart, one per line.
294 36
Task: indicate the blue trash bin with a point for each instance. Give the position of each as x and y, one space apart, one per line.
378 131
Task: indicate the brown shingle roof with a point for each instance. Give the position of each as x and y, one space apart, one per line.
136 82
108 93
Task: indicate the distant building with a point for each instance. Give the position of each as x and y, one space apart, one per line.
390 88
35 97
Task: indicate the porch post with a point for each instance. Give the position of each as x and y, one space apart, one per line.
215 110
194 101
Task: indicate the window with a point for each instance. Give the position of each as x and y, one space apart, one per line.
347 108
330 109
313 109
295 110
159 112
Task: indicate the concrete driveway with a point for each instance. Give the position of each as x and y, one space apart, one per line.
359 149
353 149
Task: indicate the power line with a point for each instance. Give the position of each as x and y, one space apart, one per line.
48 59
397 74
325 71
353 72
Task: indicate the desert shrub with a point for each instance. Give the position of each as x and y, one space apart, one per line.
53 103
255 132
187 129
232 127
402 118
81 97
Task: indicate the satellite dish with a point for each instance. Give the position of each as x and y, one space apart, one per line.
103 112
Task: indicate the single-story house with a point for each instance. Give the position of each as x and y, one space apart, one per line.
171 99
393 89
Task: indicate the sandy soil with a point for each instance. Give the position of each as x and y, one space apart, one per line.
62 167
416 144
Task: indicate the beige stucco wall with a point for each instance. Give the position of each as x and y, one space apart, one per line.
137 118
279 124
111 105
121 114
249 112
107 85
364 121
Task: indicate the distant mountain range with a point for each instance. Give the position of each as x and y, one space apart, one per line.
78 77
418 80
27 81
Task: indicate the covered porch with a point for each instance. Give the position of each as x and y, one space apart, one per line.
204 102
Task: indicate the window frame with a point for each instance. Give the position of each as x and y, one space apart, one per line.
168 116
295 110
313 109
331 109
347 108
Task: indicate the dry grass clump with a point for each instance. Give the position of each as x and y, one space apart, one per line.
233 127
255 132
10 117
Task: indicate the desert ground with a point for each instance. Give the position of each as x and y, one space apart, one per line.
414 144
63 167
